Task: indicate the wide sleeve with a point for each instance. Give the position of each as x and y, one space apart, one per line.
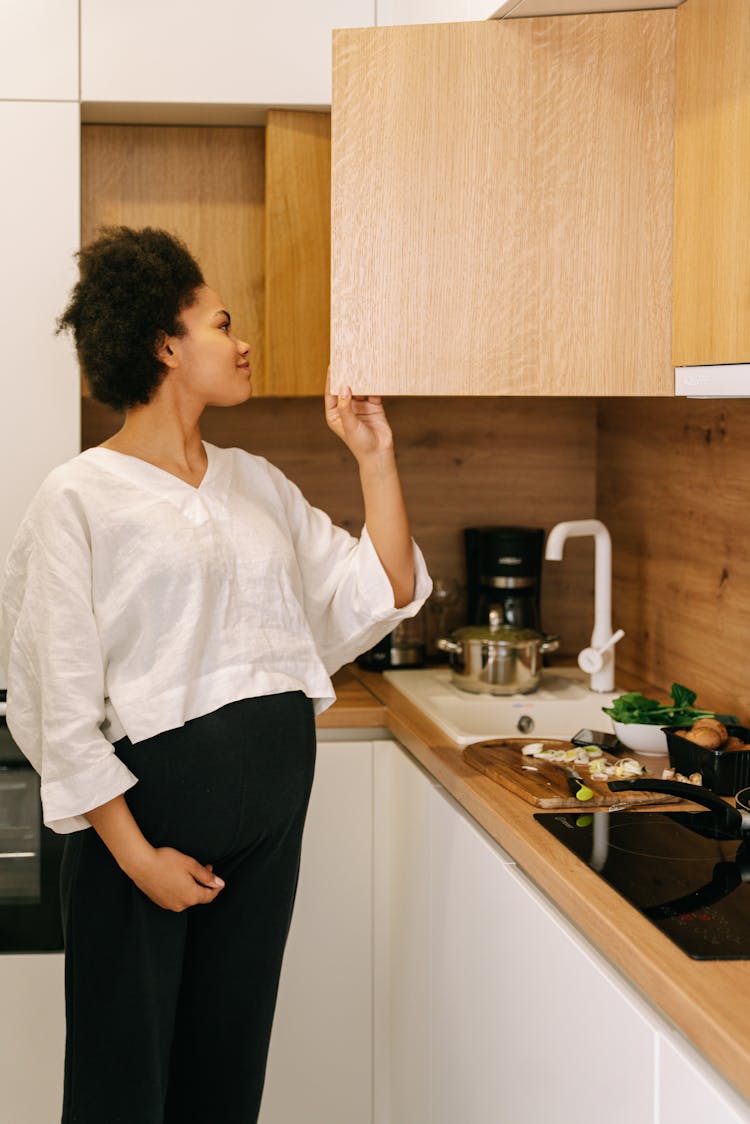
348 598
50 646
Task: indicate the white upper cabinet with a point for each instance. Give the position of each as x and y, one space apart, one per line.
39 50
39 233
393 12
246 52
514 9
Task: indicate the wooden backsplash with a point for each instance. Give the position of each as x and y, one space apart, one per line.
673 486
669 477
464 462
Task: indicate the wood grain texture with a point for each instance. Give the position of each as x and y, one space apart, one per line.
712 172
464 462
204 184
298 252
502 206
538 782
673 485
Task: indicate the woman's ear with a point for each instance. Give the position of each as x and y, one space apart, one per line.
163 350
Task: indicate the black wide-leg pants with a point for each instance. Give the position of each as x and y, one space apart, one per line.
169 1014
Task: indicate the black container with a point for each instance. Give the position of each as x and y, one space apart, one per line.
724 772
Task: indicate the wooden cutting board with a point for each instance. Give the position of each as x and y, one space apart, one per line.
540 783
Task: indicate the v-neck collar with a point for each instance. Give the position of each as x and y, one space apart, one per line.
136 468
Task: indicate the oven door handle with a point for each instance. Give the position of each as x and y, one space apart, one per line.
18 854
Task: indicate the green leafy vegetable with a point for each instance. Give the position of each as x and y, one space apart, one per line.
635 707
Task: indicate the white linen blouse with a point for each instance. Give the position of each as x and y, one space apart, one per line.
134 602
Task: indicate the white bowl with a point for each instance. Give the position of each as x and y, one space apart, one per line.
642 738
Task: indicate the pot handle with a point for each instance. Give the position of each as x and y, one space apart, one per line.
730 819
549 644
443 644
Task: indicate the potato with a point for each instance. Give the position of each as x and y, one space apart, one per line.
704 736
712 724
734 743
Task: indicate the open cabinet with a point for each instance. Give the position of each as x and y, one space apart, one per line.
252 204
502 206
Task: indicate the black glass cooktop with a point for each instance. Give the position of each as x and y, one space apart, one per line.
686 876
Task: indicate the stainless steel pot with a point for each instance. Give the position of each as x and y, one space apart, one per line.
496 659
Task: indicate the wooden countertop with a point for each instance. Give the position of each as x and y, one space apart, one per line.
706 1000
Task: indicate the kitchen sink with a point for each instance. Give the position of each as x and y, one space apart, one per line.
562 704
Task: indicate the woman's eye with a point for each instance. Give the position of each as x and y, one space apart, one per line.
224 327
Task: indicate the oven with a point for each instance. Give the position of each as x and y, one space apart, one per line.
30 856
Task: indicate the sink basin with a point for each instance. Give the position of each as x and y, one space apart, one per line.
562 705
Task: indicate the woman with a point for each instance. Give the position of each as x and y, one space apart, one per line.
172 614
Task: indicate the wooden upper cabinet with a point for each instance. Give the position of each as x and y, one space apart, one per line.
502 206
712 180
298 252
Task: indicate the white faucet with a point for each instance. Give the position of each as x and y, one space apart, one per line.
599 659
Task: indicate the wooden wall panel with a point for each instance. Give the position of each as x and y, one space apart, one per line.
674 489
205 185
712 173
464 462
502 206
298 252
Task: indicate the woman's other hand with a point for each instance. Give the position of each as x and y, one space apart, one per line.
360 422
169 878
176 881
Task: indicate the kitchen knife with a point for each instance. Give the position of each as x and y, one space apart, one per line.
576 783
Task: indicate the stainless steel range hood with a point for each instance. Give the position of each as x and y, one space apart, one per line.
720 380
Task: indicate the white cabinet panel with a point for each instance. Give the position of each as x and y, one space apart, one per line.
39 49
39 233
232 51
32 1038
528 1025
395 12
320 1062
402 976
692 1093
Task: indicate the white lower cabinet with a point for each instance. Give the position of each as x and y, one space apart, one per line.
320 1062
690 1092
527 1024
490 1008
32 1037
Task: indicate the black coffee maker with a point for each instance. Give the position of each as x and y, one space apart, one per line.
504 572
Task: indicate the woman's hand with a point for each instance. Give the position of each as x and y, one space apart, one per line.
169 878
175 881
360 423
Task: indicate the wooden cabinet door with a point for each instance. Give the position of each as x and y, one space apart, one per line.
712 173
298 252
502 206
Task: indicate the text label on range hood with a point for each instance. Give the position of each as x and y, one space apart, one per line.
720 380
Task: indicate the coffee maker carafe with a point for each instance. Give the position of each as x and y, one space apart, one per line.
504 572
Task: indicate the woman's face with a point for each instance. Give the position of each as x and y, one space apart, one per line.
210 361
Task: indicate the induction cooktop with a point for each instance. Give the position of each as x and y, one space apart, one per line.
687 876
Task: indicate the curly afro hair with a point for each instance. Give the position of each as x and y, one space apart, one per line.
133 286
